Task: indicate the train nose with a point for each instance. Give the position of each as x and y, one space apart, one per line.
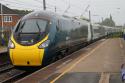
27 57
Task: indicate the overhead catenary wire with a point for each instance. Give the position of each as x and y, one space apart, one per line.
26 3
52 6
49 5
18 4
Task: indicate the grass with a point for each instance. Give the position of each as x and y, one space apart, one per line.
116 35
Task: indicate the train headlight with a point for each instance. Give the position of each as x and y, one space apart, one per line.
11 45
44 44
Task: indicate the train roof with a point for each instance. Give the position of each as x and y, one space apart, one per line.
48 15
41 14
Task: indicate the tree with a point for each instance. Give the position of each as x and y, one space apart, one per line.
108 22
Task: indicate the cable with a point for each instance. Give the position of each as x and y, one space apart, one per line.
25 3
19 3
50 6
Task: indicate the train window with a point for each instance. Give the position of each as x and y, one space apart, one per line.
81 31
96 29
31 31
79 23
57 25
84 31
66 25
32 26
57 28
17 25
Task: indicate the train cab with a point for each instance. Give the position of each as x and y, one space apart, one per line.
28 40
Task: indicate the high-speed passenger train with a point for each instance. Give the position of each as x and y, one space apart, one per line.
39 38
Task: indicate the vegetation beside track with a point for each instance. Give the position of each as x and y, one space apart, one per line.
116 35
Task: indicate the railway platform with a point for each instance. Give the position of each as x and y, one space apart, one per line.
3 49
99 62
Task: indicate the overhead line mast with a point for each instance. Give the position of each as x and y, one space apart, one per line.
2 35
44 5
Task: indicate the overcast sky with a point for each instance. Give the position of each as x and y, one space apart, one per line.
98 8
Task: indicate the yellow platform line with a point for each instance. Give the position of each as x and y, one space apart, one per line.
53 81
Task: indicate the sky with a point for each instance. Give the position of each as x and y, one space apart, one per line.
99 8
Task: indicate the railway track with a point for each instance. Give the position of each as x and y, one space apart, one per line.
5 67
5 64
4 57
9 73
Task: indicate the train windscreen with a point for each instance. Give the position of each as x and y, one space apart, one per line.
31 31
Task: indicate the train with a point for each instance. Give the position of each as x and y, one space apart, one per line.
42 37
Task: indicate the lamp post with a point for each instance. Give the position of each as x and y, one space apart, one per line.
44 4
2 35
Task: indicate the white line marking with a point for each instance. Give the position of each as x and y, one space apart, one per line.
104 77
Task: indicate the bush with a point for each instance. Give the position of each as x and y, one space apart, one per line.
4 41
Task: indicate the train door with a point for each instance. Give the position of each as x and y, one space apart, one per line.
90 33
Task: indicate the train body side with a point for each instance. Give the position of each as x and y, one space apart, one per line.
66 35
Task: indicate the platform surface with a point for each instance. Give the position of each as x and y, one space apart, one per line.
3 49
98 63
